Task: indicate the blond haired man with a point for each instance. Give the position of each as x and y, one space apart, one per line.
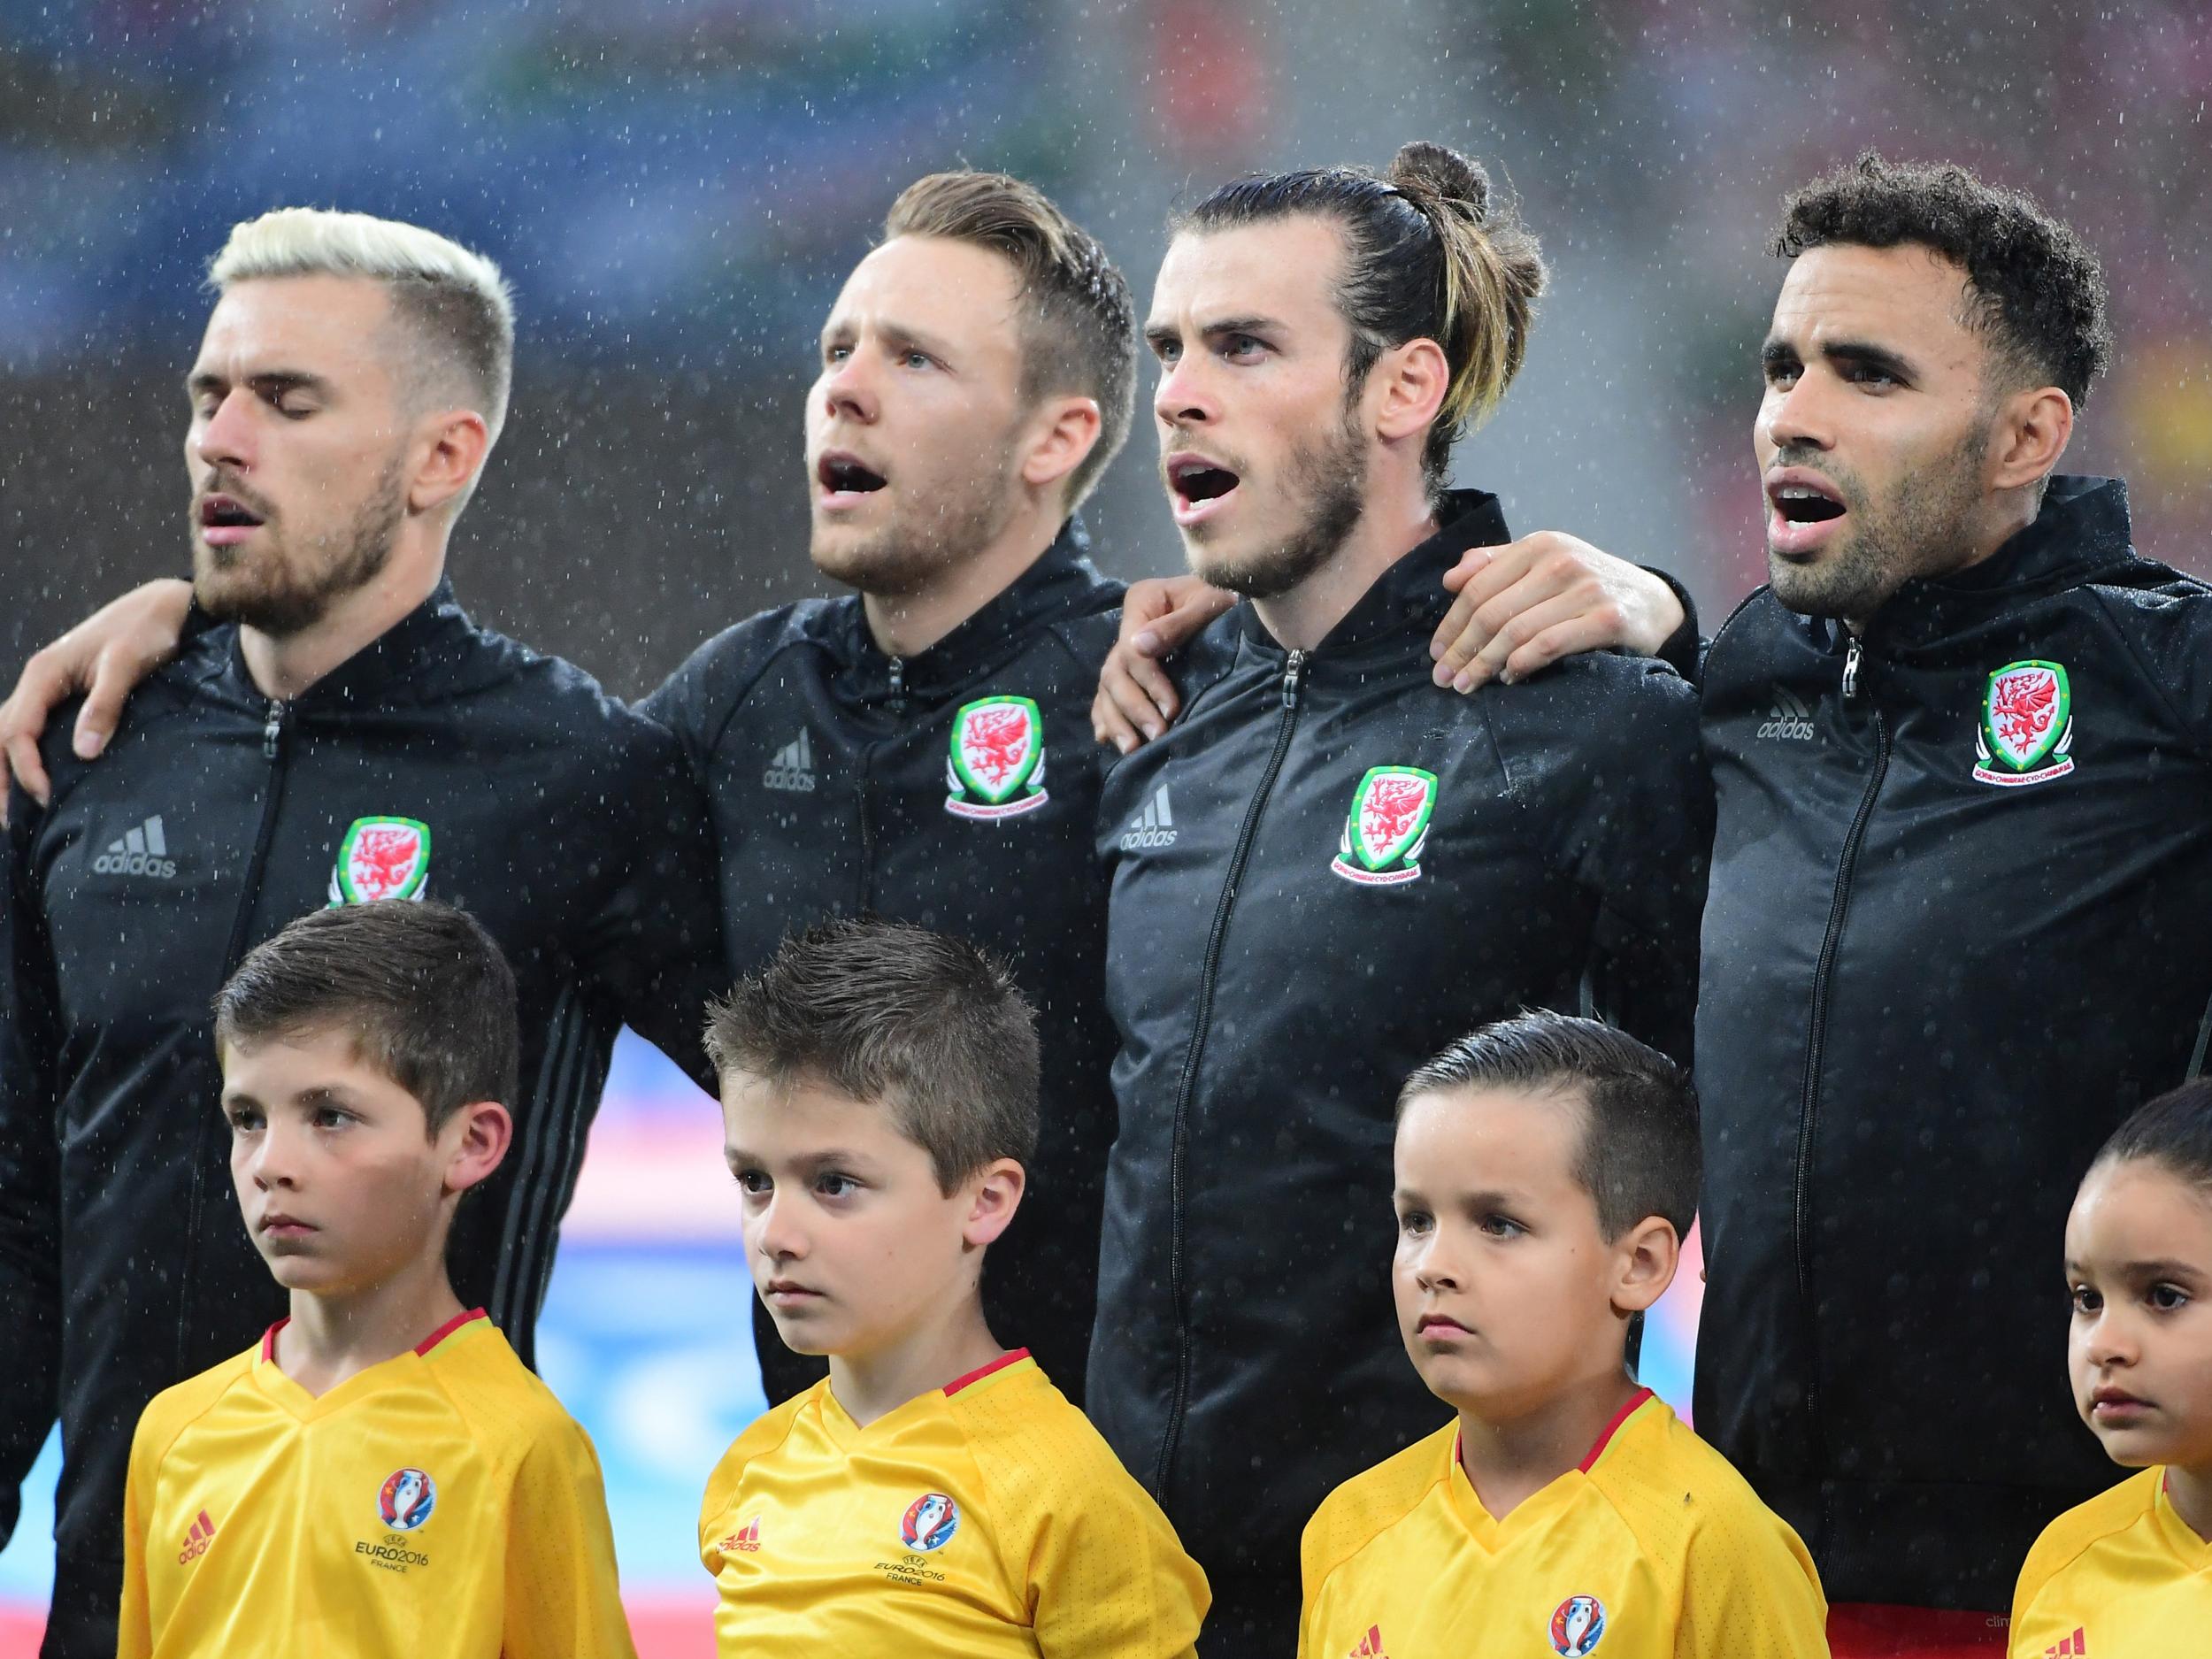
340 733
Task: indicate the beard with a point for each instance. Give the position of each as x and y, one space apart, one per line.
1921 529
276 593
927 534
1334 496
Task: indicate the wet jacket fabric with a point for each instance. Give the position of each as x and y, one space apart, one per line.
563 823
1327 869
954 789
1956 931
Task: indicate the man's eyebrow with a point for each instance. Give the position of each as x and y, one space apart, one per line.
1866 355
273 382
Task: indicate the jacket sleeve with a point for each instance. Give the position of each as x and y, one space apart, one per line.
30 1168
1608 755
654 950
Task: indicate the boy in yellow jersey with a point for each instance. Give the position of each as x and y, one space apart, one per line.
935 1494
2129 1575
379 1474
1547 1168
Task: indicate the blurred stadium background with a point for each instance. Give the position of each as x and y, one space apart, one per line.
675 188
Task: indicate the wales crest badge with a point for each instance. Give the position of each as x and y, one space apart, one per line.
996 768
381 858
1386 828
2027 726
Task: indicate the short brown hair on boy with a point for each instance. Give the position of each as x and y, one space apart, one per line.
420 987
1079 323
881 1012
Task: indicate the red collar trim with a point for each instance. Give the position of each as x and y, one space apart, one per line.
268 1340
976 1376
447 1329
1613 1428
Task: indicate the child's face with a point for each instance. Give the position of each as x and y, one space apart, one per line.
1507 1290
2139 1260
853 1247
340 1187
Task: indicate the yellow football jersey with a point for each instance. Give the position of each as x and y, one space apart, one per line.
986 1517
1653 1548
440 1502
2120 1577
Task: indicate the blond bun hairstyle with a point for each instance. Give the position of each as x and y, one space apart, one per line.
1428 256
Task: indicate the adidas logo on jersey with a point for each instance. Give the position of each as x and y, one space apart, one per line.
1155 826
195 1541
747 1537
1788 719
143 852
2072 1646
1371 1645
793 767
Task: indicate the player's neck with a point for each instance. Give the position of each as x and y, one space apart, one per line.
907 625
874 1384
283 667
1391 524
2190 1491
332 1336
1509 1462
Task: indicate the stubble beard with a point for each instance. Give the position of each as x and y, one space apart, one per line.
1921 530
269 592
924 540
1335 498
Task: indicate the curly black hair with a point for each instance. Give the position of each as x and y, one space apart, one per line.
2036 291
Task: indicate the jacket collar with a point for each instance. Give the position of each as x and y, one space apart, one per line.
2081 531
1062 576
1409 596
428 634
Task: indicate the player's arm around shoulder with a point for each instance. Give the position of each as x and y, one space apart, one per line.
562 1595
1105 1575
1749 1587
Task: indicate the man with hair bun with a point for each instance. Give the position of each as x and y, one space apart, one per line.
1331 865
340 733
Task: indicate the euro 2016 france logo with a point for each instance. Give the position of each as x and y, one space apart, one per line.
407 1499
931 1520
1576 1625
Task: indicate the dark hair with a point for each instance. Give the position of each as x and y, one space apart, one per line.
1080 333
419 986
2034 287
1639 1155
881 1012
2173 1131
1428 256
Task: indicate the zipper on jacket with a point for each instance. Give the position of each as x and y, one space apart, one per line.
1294 677
1851 670
272 751
1815 1036
898 684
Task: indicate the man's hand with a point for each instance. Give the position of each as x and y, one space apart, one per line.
105 656
1523 606
1135 699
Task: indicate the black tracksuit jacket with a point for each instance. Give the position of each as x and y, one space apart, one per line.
1935 979
563 822
1276 964
834 774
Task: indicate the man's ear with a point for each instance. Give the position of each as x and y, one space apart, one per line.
2031 435
476 1138
1644 1260
1406 387
995 1195
449 450
1062 433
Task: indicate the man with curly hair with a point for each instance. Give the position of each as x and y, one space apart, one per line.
1962 747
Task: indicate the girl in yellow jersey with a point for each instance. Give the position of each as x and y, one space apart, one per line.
2129 1575
1545 1169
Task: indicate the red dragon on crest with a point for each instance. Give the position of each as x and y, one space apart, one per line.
2021 708
1392 809
997 743
382 861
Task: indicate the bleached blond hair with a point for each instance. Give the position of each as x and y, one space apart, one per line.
456 301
